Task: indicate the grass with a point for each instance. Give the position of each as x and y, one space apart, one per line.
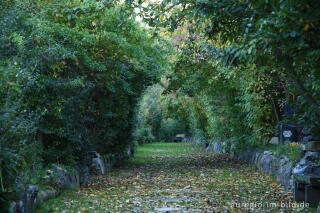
152 152
180 177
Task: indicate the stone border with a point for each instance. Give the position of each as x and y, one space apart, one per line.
59 179
267 163
281 167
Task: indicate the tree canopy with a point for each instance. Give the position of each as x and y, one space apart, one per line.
71 74
240 62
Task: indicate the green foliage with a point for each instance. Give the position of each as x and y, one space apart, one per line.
169 128
71 73
240 61
154 123
143 135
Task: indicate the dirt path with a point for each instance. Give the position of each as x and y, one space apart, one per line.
171 177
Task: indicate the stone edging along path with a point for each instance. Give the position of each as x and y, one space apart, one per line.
59 179
281 167
267 163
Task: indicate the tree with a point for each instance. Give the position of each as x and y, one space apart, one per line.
267 49
71 73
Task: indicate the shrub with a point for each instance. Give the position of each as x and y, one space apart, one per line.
71 73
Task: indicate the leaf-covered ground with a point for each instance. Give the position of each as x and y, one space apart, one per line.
178 177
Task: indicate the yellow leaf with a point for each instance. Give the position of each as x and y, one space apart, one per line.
306 27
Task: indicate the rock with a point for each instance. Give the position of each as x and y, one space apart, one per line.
187 139
306 131
309 159
283 172
34 196
267 153
307 175
97 166
216 147
313 146
269 164
266 163
274 140
12 206
47 178
246 155
309 170
95 162
198 141
45 194
84 172
256 157
64 180
281 167
311 156
306 139
210 148
131 151
29 197
18 207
